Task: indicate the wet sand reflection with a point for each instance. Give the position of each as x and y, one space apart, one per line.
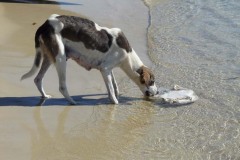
101 136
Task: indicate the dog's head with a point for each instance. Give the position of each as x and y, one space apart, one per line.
147 81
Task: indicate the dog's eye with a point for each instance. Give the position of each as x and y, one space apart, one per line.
151 83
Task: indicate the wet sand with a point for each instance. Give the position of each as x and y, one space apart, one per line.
94 129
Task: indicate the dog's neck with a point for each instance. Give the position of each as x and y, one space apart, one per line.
130 66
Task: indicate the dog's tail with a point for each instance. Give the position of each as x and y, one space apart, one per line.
36 64
38 56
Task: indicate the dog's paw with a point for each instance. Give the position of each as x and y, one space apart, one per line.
114 101
73 103
46 96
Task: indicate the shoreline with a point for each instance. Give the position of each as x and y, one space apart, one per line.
148 29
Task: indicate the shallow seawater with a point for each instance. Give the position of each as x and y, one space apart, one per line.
191 43
195 44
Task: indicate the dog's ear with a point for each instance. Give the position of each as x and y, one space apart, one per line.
140 72
145 75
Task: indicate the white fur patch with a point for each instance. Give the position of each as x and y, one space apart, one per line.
113 31
56 24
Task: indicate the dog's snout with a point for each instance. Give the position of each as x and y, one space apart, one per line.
149 93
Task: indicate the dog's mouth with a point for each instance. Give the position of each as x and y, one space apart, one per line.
149 94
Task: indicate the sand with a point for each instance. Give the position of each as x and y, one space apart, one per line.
57 130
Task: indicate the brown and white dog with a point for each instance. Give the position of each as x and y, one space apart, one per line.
91 46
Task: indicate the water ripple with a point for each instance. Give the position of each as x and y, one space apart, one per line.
195 44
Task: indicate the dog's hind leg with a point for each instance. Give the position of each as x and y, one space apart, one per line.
54 48
38 80
61 70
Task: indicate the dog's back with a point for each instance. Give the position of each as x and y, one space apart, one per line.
84 41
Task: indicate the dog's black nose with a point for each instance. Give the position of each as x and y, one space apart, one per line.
147 93
157 92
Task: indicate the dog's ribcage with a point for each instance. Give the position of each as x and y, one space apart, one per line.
84 57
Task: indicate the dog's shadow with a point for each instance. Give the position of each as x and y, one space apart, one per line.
82 100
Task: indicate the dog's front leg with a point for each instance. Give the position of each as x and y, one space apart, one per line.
107 76
115 85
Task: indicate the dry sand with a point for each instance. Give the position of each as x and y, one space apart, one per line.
56 130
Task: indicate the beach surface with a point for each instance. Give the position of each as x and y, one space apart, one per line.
194 44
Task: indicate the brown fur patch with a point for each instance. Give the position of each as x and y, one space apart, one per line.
45 39
123 43
146 76
50 46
